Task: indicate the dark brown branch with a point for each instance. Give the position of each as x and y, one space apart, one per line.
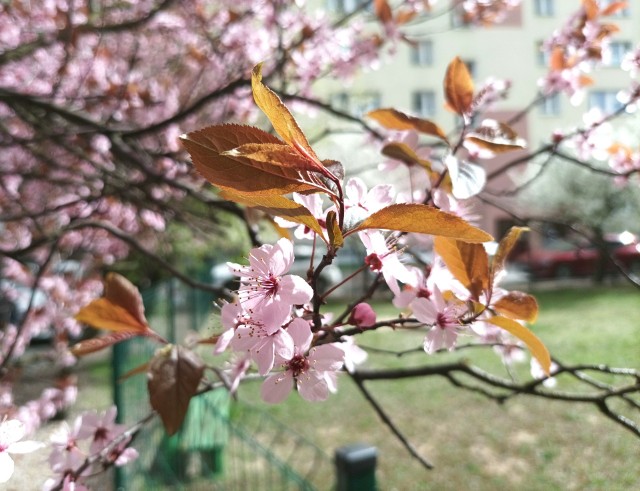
390 424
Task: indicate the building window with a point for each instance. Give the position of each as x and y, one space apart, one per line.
621 12
605 100
355 104
344 6
616 52
424 103
542 55
422 53
544 8
550 105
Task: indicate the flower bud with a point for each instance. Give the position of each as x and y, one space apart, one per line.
362 316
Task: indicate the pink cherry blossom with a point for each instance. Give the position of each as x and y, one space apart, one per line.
101 428
265 284
444 319
313 373
380 258
361 202
263 344
11 432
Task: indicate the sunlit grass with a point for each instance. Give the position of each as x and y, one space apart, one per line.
475 443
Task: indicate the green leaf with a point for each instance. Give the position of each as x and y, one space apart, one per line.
538 349
421 219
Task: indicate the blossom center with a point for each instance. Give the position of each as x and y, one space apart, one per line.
445 319
270 284
298 364
373 261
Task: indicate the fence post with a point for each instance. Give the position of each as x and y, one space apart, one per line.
356 468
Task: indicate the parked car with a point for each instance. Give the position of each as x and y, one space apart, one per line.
562 259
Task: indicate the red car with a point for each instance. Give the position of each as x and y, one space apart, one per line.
562 259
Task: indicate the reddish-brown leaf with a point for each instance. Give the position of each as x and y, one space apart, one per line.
404 153
274 154
173 378
537 348
207 148
504 249
397 120
613 8
458 87
120 310
469 263
421 219
383 11
96 344
591 9
557 59
278 206
518 305
496 137
282 120
120 291
336 239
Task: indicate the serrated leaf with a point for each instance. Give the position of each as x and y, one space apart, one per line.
96 344
278 206
404 153
397 120
421 219
282 120
469 263
120 291
504 249
275 154
518 305
208 146
173 379
536 347
121 309
336 240
458 87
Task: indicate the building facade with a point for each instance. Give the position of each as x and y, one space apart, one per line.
411 79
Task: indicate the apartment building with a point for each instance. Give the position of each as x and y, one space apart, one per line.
411 80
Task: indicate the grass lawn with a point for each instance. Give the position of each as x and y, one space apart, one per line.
527 443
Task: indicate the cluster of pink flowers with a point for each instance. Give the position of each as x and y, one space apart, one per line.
264 325
92 433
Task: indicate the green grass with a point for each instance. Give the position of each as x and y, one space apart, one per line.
476 444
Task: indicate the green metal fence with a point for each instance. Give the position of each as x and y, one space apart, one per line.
222 445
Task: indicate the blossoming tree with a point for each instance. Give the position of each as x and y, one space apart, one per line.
93 97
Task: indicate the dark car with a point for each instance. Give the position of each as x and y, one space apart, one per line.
563 259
